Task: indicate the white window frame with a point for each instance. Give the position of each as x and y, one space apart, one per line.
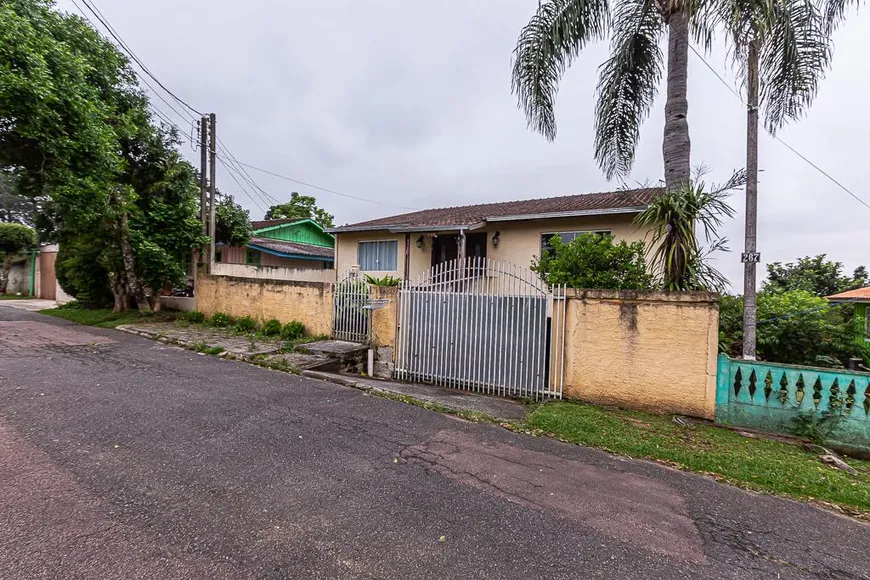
575 232
359 247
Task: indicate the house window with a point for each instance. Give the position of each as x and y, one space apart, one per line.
378 256
252 258
567 237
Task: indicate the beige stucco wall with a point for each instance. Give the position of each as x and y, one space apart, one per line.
384 319
308 302
519 241
647 350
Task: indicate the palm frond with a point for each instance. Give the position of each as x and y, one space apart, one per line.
671 221
795 53
834 11
545 48
627 85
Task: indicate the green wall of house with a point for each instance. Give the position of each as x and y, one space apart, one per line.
860 322
304 232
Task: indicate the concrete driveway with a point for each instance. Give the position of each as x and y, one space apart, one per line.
125 458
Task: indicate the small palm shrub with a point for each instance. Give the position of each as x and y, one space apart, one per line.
293 330
219 319
246 324
271 327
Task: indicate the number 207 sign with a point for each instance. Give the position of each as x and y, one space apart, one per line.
750 257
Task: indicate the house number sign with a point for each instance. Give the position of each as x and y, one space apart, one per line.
750 257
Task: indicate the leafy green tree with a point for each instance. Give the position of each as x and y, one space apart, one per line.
301 207
594 261
672 221
814 274
795 327
14 239
232 222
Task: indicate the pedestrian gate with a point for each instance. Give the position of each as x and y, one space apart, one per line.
351 308
482 325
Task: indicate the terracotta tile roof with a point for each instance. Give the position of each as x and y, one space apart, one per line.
860 294
590 203
293 248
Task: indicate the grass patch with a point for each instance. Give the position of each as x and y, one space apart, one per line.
15 297
105 318
757 464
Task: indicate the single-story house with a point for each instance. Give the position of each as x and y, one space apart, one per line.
288 243
408 245
861 298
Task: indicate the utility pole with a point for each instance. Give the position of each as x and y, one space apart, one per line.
203 174
212 153
751 256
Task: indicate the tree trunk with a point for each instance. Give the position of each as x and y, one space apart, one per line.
676 146
749 266
133 285
4 274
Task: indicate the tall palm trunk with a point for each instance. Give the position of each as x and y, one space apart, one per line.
749 266
676 146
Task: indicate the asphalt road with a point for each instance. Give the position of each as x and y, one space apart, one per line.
125 458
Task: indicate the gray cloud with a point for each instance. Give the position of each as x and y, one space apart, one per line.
409 104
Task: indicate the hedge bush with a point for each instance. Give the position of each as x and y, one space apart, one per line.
293 330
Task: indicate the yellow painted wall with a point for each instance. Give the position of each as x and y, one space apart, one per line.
519 241
384 319
308 302
646 350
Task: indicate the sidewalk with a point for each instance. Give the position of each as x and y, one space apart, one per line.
29 304
454 399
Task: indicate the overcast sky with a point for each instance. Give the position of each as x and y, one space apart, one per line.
408 103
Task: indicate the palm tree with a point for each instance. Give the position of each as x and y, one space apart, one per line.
672 221
782 50
628 80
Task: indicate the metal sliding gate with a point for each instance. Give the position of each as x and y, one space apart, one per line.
351 308
485 326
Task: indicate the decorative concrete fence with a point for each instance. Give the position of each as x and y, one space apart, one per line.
770 396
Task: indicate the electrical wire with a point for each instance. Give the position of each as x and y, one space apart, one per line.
230 162
91 6
317 187
777 138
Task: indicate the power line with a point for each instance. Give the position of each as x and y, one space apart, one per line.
242 188
312 186
777 138
91 6
243 172
231 163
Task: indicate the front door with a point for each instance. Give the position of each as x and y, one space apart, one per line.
446 248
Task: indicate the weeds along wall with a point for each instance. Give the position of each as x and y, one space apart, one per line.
307 302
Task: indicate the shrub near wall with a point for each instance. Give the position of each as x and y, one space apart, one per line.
308 302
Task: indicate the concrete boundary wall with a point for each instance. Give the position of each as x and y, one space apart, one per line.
274 272
308 302
646 350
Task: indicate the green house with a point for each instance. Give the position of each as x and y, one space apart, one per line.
861 298
298 244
